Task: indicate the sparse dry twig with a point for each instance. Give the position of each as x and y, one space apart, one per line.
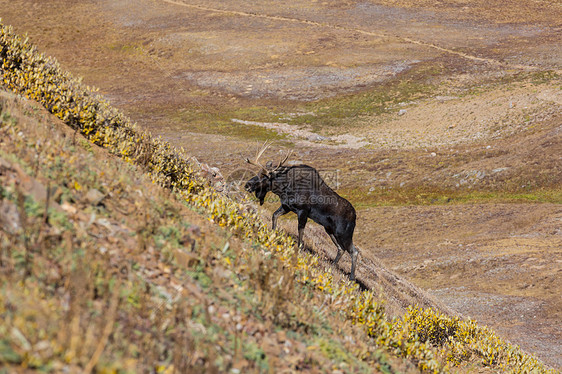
108 328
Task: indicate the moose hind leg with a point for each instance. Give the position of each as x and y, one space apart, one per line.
353 252
302 217
338 246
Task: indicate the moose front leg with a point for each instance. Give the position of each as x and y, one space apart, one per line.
278 213
303 217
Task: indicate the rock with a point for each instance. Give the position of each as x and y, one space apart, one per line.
195 230
10 220
222 273
4 165
217 173
281 336
317 138
28 184
445 98
401 112
94 197
212 174
499 170
185 259
68 208
31 186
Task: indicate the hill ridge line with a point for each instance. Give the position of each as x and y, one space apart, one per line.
352 29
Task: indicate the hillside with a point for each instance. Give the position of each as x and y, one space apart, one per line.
104 271
117 256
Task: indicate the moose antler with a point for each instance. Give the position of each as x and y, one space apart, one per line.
267 169
284 160
255 162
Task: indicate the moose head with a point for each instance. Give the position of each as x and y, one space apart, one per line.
261 184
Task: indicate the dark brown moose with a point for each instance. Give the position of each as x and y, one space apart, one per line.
302 190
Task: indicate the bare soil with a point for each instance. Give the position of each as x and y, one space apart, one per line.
400 97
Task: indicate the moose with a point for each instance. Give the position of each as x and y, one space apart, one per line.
302 191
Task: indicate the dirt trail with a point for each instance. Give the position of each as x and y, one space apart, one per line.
353 30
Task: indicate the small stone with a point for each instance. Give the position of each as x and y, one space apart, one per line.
317 138
9 217
401 112
94 197
68 208
195 230
499 170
